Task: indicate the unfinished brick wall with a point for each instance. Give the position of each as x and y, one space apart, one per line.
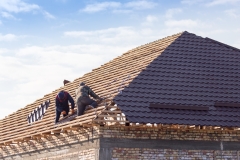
57 146
169 133
88 154
136 153
50 141
169 154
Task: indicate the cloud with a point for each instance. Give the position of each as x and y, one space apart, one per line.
210 3
8 37
48 15
149 20
232 13
122 11
173 11
140 5
7 15
190 2
117 7
17 6
237 44
96 7
110 35
181 23
221 2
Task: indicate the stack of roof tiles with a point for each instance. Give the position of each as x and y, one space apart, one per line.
181 70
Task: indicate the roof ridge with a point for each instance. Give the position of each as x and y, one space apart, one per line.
222 44
177 34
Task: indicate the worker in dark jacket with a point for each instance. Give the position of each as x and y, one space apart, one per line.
62 104
84 102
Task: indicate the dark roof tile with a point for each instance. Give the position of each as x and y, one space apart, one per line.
191 71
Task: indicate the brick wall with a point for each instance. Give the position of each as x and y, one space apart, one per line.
169 133
169 154
88 154
50 141
52 146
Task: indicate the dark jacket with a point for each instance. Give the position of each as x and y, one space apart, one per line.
63 104
85 91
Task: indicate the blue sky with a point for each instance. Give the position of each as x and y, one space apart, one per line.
44 42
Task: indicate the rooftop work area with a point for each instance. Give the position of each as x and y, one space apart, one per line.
181 81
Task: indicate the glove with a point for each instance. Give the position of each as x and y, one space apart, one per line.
64 112
72 111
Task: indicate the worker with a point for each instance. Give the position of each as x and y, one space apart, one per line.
62 106
84 102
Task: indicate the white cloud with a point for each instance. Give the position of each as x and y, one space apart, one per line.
122 11
181 23
96 7
149 20
118 7
221 2
7 15
110 35
210 2
237 44
3 50
17 6
191 1
48 15
140 4
8 37
173 11
232 13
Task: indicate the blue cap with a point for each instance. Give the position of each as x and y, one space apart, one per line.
61 95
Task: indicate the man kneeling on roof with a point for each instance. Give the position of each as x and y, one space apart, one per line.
62 104
84 102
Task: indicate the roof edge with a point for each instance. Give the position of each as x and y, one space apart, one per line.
222 44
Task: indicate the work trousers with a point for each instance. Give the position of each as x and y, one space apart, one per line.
82 102
58 113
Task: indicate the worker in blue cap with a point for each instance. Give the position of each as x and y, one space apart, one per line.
62 106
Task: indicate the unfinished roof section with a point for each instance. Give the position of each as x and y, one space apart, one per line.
191 71
107 81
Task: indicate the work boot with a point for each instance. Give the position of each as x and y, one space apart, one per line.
88 107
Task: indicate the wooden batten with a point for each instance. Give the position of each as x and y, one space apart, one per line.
27 138
36 136
7 143
18 140
56 131
110 121
46 133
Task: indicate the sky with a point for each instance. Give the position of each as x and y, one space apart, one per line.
44 42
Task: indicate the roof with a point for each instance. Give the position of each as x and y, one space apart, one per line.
192 71
179 70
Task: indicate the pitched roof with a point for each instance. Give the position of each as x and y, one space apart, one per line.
180 70
192 71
